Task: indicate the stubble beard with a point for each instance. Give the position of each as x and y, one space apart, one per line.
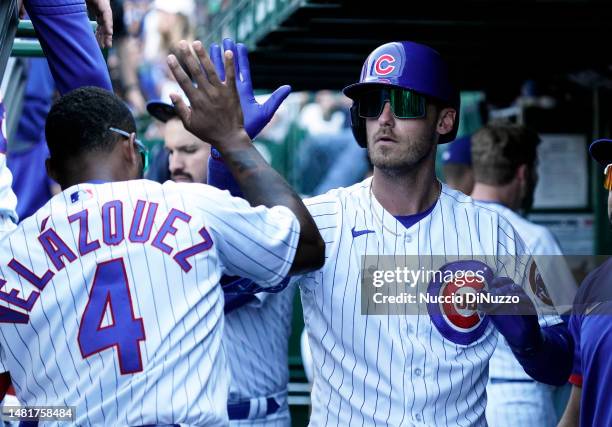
395 162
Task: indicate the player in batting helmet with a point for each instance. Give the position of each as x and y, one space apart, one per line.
418 71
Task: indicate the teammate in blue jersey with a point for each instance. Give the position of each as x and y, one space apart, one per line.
427 369
591 328
109 293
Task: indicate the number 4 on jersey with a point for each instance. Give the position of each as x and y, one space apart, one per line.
110 293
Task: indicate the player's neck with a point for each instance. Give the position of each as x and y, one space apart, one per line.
504 195
103 173
406 194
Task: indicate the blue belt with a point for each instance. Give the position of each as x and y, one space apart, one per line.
510 380
241 410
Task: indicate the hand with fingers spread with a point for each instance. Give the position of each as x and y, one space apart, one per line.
256 115
215 115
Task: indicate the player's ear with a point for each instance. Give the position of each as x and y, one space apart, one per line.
522 173
446 120
128 149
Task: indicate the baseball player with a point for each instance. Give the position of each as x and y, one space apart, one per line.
428 369
109 295
257 326
72 64
591 328
187 155
504 157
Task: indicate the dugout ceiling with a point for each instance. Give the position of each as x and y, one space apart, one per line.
490 45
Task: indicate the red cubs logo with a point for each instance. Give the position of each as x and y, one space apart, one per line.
452 302
462 312
383 66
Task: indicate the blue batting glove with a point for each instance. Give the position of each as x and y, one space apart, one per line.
256 116
516 321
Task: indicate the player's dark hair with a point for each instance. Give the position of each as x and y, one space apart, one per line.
499 149
79 123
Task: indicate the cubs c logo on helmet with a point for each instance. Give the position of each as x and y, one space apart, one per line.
538 287
383 66
460 321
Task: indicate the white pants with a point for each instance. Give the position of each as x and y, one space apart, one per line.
524 404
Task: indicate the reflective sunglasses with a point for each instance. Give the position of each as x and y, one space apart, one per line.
144 152
404 104
608 177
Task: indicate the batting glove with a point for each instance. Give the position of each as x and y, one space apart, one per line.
256 115
516 321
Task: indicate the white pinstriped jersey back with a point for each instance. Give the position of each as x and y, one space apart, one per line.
162 250
397 370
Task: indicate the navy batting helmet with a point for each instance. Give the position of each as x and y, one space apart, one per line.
405 65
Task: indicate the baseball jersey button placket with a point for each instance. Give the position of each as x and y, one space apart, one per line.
408 238
418 372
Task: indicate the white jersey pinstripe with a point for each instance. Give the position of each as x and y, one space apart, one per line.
397 370
256 339
527 403
178 371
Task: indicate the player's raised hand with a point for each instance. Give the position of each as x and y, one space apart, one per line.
104 16
215 115
256 115
513 314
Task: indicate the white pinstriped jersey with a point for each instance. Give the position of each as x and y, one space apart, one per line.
112 295
539 241
398 370
256 339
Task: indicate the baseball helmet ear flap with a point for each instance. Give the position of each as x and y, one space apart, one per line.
358 126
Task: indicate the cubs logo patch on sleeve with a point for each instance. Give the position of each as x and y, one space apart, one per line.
452 304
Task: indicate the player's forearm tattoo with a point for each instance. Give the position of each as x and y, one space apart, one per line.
262 185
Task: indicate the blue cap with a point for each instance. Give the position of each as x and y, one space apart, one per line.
601 150
459 152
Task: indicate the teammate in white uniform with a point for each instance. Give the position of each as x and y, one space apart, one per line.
429 369
109 292
504 159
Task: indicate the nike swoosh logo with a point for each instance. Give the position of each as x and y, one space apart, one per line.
357 233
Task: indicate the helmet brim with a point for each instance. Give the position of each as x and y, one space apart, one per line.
353 91
162 111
